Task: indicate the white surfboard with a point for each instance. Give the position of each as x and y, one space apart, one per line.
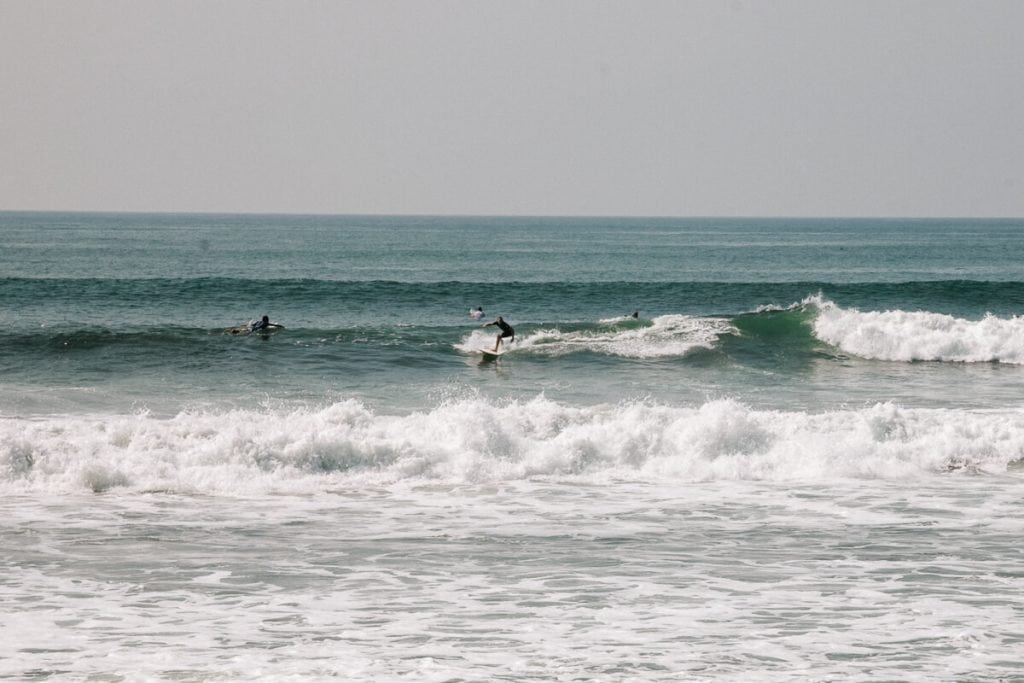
246 330
491 354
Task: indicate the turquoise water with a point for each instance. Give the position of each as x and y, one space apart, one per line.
109 312
802 458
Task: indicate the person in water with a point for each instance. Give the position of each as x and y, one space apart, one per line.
263 324
476 314
506 331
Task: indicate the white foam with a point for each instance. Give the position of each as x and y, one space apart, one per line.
618 320
665 336
474 440
919 335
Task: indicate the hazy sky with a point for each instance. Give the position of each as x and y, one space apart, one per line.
685 108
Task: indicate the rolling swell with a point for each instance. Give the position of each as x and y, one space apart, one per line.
709 298
774 337
814 328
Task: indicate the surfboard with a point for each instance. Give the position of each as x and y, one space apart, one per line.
491 354
245 329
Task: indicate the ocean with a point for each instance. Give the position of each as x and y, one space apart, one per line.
803 459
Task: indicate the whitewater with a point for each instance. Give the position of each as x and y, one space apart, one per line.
307 452
802 460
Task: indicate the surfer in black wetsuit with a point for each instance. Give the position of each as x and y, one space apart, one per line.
506 331
263 324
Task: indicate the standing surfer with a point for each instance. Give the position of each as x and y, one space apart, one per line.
506 331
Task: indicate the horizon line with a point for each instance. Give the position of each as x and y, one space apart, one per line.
511 215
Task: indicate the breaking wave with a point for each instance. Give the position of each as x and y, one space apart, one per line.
662 337
919 335
347 446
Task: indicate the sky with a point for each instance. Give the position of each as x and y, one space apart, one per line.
487 107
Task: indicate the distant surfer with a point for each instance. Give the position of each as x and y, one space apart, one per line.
476 313
263 324
635 315
506 331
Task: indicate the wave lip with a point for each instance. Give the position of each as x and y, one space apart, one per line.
349 447
920 335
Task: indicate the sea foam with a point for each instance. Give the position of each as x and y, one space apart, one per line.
919 335
348 446
665 336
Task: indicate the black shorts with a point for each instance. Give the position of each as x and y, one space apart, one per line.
510 333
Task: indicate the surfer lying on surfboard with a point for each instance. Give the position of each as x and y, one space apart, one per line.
263 324
506 331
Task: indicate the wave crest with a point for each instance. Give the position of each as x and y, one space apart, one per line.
920 335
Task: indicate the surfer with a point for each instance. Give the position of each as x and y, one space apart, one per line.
506 331
635 315
476 314
263 324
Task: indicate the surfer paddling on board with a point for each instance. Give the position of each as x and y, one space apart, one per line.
506 331
477 313
263 324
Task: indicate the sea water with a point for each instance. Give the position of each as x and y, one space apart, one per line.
801 460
